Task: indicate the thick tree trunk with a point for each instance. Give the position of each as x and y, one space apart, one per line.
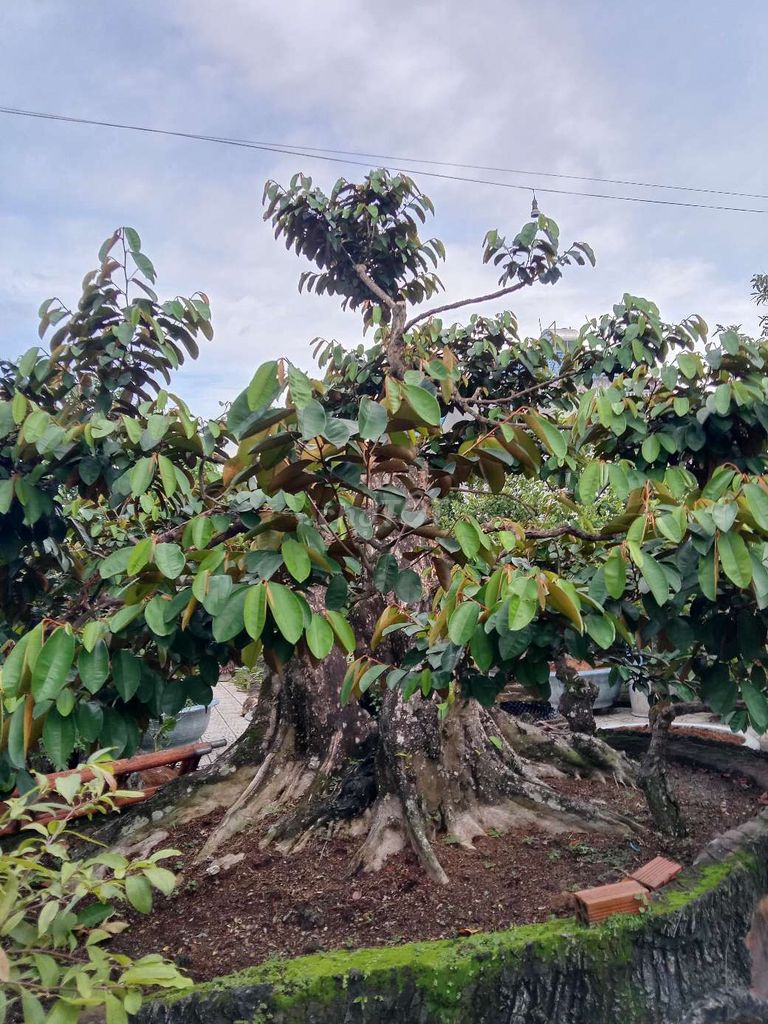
403 776
395 774
654 779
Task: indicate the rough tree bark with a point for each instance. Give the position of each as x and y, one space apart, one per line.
578 698
396 775
654 779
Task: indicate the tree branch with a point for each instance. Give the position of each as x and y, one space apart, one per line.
564 531
371 285
397 326
462 302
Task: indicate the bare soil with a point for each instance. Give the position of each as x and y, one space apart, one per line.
272 905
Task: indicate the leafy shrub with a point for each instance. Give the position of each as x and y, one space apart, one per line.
58 912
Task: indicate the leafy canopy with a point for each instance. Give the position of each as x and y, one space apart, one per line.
149 548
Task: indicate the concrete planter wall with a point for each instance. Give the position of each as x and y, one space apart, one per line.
639 969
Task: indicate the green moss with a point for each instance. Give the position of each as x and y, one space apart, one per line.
446 972
702 881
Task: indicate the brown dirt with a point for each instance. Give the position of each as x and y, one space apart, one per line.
271 905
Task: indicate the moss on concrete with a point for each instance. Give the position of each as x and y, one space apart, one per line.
446 978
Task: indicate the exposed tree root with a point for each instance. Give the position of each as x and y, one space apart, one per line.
404 779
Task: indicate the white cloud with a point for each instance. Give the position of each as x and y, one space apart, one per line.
551 87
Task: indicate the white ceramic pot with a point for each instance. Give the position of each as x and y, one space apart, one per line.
607 692
638 702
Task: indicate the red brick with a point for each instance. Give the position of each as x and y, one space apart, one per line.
656 873
594 905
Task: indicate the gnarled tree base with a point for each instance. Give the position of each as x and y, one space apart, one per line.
398 779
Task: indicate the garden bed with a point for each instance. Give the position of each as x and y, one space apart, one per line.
269 905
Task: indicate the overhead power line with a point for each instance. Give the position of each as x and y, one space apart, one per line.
395 163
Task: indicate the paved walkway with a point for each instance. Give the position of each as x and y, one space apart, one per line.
227 721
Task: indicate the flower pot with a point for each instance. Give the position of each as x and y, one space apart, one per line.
638 702
190 725
607 692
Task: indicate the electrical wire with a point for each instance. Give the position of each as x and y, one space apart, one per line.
347 157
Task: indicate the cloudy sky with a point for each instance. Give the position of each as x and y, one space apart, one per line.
659 92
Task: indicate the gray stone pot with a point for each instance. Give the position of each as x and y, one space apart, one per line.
607 692
191 724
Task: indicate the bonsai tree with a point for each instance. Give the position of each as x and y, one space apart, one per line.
305 529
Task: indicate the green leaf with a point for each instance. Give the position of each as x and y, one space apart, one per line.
589 482
264 387
673 525
336 594
140 556
650 448
167 475
706 575
296 559
408 586
344 632
132 238
32 1008
93 667
139 893
15 741
615 574
170 560
53 665
255 610
385 573
681 405
126 673
689 365
734 558
230 620
115 564
423 404
370 676
6 495
89 719
319 636
286 611
552 438
724 515
155 616
481 648
757 705
140 476
757 503
467 536
523 604
59 738
215 593
13 667
202 532
124 617
722 399
312 420
372 419
461 625
601 629
300 387
656 578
